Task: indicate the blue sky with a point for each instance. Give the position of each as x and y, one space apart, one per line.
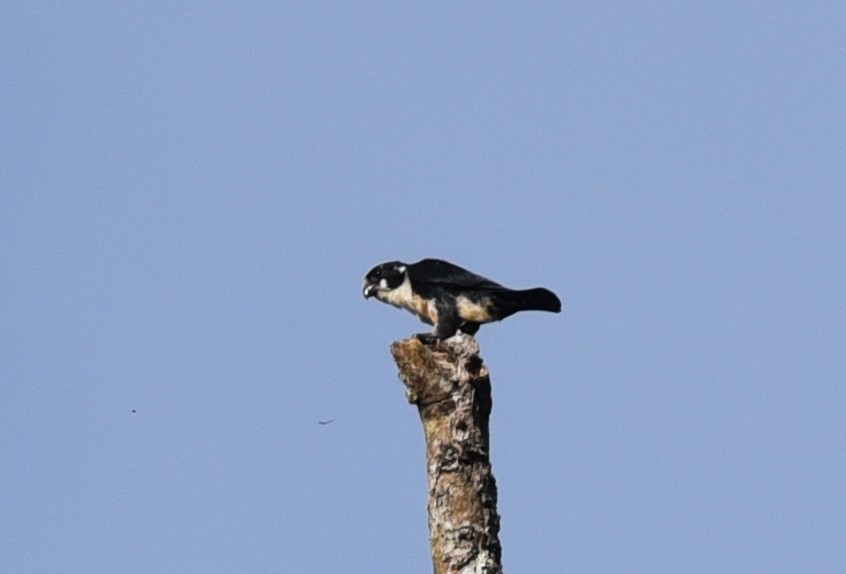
192 194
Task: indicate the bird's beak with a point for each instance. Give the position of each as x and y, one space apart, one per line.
369 291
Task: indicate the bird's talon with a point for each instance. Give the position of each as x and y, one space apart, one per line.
426 338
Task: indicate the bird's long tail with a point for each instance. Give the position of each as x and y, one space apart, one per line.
538 299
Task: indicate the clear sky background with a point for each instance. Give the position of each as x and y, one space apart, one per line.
192 194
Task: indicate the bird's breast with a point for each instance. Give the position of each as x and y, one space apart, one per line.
405 297
425 310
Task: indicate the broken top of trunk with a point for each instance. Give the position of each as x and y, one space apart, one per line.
452 391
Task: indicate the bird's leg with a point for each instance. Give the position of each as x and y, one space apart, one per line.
469 327
445 328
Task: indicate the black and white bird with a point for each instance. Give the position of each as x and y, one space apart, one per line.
451 298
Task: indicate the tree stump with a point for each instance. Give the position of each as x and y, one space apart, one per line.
452 391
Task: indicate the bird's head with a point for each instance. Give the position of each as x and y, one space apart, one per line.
384 278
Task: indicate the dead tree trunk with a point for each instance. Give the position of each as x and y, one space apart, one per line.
452 391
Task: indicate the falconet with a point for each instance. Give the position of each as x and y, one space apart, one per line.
451 298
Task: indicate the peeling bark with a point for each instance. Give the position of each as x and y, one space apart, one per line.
452 391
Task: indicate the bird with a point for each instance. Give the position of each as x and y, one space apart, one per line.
449 297
325 421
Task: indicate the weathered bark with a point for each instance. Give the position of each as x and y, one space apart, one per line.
452 391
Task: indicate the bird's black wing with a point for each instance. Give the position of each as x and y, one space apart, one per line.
435 272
